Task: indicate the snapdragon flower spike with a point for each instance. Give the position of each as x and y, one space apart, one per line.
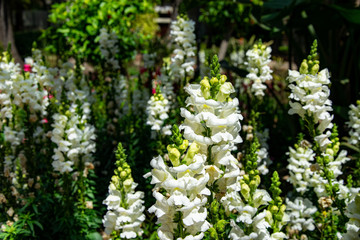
354 124
180 191
157 110
309 97
183 60
258 59
250 222
109 47
125 205
301 212
353 225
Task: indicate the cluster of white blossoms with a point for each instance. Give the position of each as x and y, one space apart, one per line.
72 133
300 212
109 48
121 97
181 193
310 98
257 62
125 205
149 60
354 123
183 60
157 110
353 225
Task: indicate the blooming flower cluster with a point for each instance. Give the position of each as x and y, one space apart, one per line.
183 60
108 47
157 110
180 191
258 59
354 123
125 205
72 133
353 225
301 212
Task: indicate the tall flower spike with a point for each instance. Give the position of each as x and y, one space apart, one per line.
310 97
183 60
125 205
258 59
354 123
180 191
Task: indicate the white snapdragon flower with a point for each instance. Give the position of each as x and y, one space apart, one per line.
157 110
300 212
109 48
354 123
120 86
258 59
124 204
185 193
300 162
149 60
310 97
183 60
353 225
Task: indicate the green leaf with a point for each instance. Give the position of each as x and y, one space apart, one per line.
351 15
94 236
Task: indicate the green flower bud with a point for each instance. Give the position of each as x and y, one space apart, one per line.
213 233
128 182
245 191
214 81
246 178
174 155
193 149
315 69
303 68
274 209
184 145
282 209
220 225
257 179
253 185
223 79
214 207
205 88
123 174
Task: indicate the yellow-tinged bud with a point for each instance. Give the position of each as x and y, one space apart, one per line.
330 151
268 217
128 182
245 191
282 209
224 92
246 178
315 69
115 179
205 88
123 174
253 185
214 81
304 68
223 79
174 156
184 145
193 149
257 179
274 209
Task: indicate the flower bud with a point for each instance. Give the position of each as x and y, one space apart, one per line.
205 88
193 149
220 225
214 81
315 69
303 68
184 145
274 209
174 156
224 92
223 79
245 191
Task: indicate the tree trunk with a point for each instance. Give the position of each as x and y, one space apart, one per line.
6 30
